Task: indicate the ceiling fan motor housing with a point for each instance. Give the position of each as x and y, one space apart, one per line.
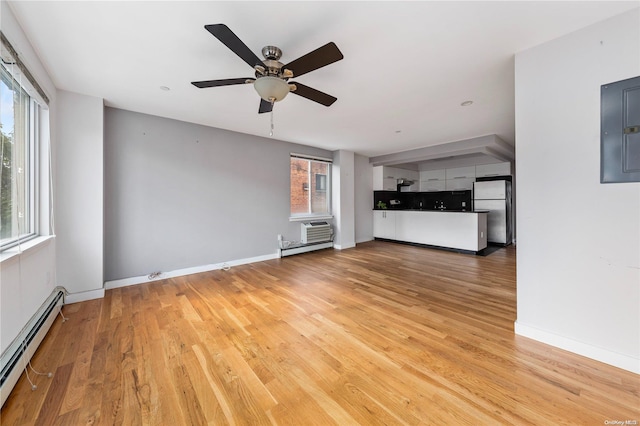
271 52
272 65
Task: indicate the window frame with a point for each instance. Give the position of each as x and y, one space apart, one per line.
32 163
311 187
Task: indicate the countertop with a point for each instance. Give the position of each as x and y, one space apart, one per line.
437 211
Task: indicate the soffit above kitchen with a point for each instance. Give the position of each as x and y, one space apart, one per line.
469 152
408 67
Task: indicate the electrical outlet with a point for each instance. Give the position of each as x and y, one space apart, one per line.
481 234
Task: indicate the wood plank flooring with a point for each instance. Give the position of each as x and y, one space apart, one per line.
380 334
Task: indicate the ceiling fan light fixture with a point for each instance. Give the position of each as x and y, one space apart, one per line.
271 89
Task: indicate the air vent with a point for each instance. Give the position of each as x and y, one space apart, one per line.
315 232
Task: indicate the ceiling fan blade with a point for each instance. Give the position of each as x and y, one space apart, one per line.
229 39
216 83
313 94
322 56
265 106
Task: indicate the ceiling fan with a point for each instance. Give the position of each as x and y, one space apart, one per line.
271 75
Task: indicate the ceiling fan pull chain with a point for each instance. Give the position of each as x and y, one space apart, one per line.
271 132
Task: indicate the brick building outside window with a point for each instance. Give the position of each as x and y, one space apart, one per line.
310 187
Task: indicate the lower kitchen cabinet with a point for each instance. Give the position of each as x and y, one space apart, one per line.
457 230
384 224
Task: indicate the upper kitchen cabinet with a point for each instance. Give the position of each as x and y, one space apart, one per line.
385 178
428 175
432 180
460 178
433 185
378 178
459 184
497 169
461 173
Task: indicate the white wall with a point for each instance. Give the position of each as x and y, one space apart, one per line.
363 199
79 193
180 195
27 279
578 240
343 204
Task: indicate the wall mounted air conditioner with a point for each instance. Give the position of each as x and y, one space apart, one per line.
315 232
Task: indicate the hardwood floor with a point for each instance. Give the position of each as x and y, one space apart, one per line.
380 334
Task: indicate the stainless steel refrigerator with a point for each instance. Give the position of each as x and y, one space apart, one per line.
495 196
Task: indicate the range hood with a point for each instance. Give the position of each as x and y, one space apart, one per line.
405 182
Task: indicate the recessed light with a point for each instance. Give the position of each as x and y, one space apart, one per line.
466 103
398 131
165 88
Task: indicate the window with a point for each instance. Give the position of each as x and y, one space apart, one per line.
18 168
321 182
310 186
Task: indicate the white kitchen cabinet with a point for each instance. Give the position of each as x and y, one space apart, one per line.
389 172
389 184
432 185
459 184
385 178
384 224
497 169
431 175
382 181
396 173
460 178
432 180
458 230
461 173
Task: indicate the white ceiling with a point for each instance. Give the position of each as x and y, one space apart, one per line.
407 65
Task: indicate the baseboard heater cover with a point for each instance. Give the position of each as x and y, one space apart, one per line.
20 351
305 248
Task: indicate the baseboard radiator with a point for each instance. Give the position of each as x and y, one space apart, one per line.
19 352
313 236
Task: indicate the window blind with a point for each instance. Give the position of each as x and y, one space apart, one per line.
9 56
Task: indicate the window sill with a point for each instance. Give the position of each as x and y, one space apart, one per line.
32 245
308 218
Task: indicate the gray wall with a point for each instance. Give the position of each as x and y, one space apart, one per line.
180 195
578 240
363 198
79 217
343 207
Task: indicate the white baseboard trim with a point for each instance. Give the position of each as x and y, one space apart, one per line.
594 352
124 282
364 240
83 296
344 246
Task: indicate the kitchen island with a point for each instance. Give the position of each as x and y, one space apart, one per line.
459 230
